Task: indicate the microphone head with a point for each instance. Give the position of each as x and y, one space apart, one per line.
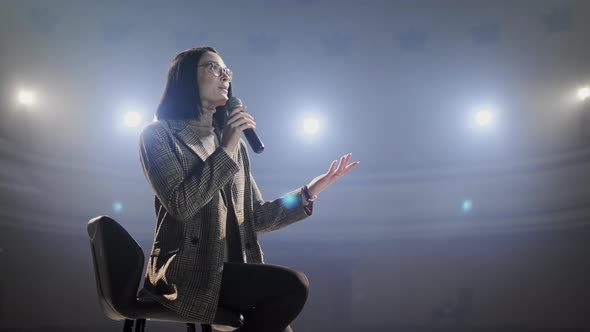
233 102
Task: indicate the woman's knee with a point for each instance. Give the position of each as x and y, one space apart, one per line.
300 283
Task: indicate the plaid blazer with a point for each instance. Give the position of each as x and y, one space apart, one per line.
185 266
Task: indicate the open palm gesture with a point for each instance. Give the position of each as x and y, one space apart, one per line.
321 182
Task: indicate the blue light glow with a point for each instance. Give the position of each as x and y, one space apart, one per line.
117 207
290 201
467 205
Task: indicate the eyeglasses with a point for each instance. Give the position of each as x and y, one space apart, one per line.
216 69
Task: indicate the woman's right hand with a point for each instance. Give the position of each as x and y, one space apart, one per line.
235 123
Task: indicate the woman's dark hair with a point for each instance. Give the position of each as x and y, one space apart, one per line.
181 99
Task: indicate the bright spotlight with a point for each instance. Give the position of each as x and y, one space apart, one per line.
132 119
311 125
584 93
484 117
26 98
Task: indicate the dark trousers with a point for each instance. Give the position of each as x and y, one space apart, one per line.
268 296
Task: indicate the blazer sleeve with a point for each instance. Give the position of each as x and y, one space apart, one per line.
183 193
278 213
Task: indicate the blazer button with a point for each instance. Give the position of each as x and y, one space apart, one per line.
194 240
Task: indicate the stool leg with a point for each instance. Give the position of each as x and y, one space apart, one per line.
206 328
128 326
139 325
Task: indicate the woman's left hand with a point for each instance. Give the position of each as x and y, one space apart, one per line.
323 181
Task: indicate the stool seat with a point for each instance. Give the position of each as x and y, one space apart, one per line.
152 310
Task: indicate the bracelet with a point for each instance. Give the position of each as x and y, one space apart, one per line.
308 195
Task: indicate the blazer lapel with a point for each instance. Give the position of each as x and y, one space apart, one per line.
189 138
192 141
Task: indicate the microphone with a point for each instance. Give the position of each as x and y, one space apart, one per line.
255 142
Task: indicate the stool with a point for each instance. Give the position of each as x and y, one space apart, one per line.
118 268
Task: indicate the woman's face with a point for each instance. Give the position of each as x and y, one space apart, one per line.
213 80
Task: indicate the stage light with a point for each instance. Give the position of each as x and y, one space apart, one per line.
467 205
117 207
132 119
26 98
311 125
584 93
484 117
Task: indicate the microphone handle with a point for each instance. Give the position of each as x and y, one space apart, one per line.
255 142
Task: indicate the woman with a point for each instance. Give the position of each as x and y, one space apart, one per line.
209 209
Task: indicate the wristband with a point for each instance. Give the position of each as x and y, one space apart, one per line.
308 195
